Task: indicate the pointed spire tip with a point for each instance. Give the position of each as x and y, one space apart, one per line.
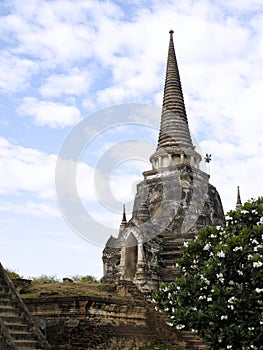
124 220
239 202
171 32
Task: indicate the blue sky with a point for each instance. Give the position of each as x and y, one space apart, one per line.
62 61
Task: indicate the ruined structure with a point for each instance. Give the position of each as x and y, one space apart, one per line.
173 202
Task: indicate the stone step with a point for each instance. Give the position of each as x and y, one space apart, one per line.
176 244
16 326
4 289
7 311
6 301
7 318
193 341
31 344
21 335
175 253
131 289
5 295
22 330
184 235
7 304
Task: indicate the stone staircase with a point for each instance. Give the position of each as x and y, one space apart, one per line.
158 321
17 328
129 289
171 252
182 340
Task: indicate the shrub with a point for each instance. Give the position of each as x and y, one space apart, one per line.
219 294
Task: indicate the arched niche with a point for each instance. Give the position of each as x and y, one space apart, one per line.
131 257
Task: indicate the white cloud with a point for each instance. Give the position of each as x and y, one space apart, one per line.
77 82
30 208
15 73
234 165
58 31
50 113
26 169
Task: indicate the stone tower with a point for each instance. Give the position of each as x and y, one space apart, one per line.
173 202
239 202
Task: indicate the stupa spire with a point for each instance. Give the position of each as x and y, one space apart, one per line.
124 220
239 203
175 147
174 130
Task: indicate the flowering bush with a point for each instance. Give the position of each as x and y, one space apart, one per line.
220 292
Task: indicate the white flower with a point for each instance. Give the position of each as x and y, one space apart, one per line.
206 281
229 346
220 277
224 317
244 212
232 300
259 290
257 264
207 246
209 299
186 244
169 324
237 248
179 326
220 254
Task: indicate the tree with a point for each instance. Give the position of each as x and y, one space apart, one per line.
84 279
12 274
219 293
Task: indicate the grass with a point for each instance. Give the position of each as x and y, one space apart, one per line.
38 290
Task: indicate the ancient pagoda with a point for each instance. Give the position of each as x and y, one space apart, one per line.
173 202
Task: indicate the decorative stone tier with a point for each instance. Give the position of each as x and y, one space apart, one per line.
89 323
